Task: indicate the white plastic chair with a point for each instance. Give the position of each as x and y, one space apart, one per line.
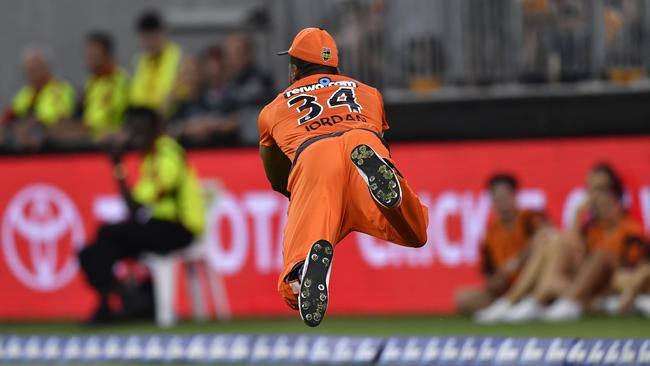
163 274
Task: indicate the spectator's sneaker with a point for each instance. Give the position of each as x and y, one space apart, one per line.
379 175
642 305
493 313
562 310
528 309
313 296
609 305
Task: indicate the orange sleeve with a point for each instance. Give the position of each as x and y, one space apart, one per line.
265 126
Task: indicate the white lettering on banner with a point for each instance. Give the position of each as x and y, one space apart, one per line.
227 261
266 212
262 206
644 199
574 199
533 198
110 208
473 211
446 205
41 216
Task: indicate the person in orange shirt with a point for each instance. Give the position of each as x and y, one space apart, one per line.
505 247
322 146
570 269
607 228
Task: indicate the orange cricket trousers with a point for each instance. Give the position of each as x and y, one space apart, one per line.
330 199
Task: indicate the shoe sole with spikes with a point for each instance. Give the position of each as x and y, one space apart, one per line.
379 176
314 284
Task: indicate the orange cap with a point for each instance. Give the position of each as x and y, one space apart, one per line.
314 45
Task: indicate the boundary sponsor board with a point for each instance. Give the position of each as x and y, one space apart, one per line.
52 205
323 350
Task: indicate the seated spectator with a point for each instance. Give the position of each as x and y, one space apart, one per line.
185 97
155 73
249 88
508 237
570 269
632 280
165 207
204 114
39 106
106 92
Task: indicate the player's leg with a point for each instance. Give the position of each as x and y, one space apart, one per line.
594 273
632 284
314 226
402 220
532 271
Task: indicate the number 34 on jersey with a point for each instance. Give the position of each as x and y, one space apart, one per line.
310 106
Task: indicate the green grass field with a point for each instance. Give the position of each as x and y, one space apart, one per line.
372 326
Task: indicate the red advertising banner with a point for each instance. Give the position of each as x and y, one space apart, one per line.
50 206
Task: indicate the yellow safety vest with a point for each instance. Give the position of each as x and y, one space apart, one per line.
54 102
154 78
105 101
170 187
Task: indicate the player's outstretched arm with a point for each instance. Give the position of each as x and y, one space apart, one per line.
277 167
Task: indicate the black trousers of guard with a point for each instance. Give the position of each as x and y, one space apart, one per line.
129 239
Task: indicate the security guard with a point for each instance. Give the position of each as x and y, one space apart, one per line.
106 91
39 105
157 66
166 207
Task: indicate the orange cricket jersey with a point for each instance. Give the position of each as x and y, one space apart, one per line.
503 243
613 240
317 105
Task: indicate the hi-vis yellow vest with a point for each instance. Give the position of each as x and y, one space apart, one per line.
154 78
169 186
55 101
105 101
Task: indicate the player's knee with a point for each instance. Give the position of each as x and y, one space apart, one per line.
419 239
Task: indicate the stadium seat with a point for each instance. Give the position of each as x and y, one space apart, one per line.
192 259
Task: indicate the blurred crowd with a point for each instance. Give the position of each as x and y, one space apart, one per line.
206 99
537 272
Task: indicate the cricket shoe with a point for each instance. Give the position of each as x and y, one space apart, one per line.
379 175
314 283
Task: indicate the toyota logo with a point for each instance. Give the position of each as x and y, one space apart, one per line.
41 233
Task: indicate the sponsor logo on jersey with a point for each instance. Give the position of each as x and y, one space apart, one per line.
322 83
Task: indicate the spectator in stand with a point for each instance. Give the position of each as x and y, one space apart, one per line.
205 115
157 66
573 267
185 98
249 87
106 91
508 237
165 207
39 106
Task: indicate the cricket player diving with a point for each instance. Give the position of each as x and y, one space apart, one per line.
322 146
